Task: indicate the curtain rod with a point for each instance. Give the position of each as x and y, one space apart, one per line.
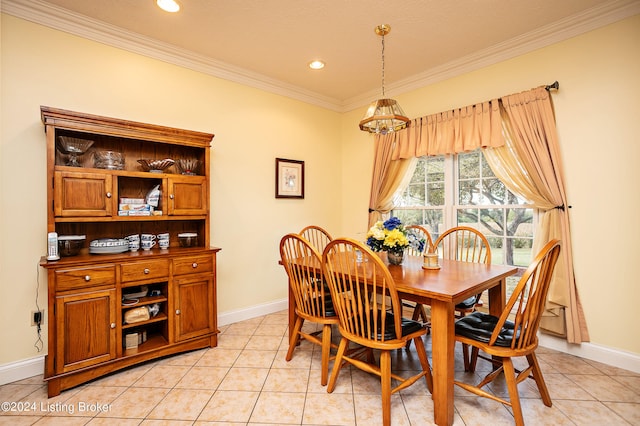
555 85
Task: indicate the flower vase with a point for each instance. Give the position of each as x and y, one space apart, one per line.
395 258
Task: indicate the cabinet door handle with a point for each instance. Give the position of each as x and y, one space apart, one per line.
108 195
87 278
113 325
146 270
171 196
194 265
177 311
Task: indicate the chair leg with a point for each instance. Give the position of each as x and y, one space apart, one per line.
326 348
465 356
539 379
295 337
337 364
510 378
385 382
424 362
419 312
474 359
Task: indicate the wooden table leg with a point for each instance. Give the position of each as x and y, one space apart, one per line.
443 345
498 298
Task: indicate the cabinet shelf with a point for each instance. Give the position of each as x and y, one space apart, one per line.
143 301
158 318
163 218
126 173
156 341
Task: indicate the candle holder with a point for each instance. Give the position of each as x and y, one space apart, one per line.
430 261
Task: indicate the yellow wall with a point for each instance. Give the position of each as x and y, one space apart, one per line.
41 66
595 107
597 110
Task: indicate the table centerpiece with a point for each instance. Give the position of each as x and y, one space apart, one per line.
392 236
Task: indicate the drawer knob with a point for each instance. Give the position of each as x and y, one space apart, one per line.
146 270
113 325
177 311
194 265
171 196
87 278
108 195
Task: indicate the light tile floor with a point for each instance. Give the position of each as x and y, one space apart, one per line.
246 381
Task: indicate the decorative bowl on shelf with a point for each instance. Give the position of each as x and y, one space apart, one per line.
188 166
188 239
156 166
112 160
73 148
70 245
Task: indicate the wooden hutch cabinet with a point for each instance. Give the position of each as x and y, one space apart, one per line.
89 304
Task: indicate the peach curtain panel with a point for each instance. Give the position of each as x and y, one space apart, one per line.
388 177
530 166
525 155
450 132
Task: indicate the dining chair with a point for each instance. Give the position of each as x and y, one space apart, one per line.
370 314
312 299
504 338
419 310
464 244
317 236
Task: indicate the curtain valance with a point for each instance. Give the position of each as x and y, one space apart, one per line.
451 132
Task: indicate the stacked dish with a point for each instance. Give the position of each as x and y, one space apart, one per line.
108 246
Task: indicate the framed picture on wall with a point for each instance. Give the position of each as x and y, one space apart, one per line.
289 178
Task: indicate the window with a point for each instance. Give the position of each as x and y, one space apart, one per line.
461 190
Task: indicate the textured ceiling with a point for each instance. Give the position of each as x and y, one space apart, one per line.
276 39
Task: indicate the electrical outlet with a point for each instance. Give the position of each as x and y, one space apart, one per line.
37 317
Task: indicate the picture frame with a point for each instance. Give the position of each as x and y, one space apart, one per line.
289 178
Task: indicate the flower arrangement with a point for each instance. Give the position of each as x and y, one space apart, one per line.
391 236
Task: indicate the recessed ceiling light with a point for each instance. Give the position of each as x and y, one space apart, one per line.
168 5
316 65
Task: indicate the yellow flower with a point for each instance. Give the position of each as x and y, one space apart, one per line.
396 238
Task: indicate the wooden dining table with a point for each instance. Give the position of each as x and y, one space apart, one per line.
442 289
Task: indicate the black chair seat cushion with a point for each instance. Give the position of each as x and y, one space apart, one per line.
329 310
467 303
479 326
408 327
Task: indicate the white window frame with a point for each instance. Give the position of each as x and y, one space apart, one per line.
451 206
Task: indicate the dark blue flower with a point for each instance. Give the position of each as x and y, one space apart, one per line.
392 223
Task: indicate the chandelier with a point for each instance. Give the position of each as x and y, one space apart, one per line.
383 115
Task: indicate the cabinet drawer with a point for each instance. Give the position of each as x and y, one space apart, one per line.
69 279
192 265
138 271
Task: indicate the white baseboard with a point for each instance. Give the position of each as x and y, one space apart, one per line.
21 370
253 312
613 357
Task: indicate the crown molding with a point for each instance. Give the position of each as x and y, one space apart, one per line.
558 31
61 19
80 25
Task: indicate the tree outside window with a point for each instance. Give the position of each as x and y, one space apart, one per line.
447 191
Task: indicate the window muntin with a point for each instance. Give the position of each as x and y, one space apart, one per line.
461 190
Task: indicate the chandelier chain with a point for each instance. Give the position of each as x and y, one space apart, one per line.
383 65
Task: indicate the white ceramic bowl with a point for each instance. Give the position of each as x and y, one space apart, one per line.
188 239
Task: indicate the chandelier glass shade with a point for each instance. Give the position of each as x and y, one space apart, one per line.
383 115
